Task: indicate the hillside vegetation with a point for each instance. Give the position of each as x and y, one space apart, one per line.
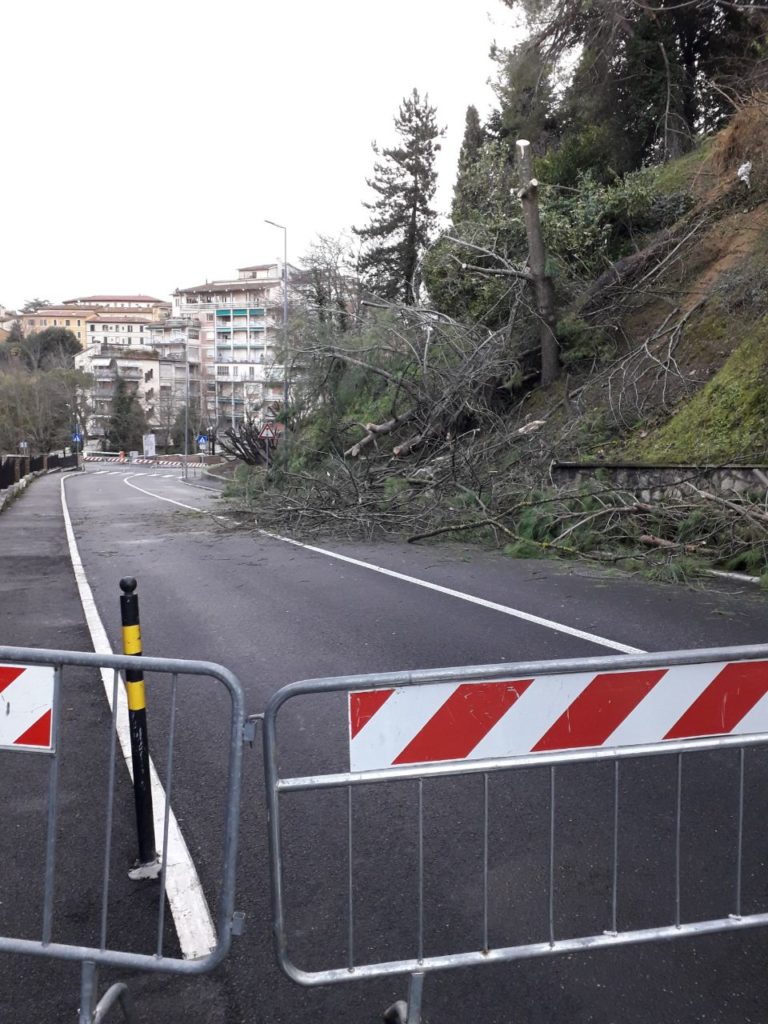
430 410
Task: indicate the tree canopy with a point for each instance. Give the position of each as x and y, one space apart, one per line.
51 348
652 76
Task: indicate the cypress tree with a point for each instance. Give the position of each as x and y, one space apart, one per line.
127 422
464 191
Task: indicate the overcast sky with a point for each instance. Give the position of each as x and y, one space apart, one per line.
145 143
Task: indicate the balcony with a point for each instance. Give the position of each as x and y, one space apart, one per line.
226 315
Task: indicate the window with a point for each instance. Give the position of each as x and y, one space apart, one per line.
78 323
148 375
92 326
129 328
31 323
66 323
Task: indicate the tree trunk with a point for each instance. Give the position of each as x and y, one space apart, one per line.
542 284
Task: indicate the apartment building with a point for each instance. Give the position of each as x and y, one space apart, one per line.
240 324
138 368
78 314
177 343
122 305
108 329
159 362
70 318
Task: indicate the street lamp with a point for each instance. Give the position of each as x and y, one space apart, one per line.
284 229
186 406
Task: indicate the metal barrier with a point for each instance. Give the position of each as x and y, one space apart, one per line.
472 726
414 729
31 684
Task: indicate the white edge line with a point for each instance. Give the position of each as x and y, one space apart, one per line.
516 613
191 914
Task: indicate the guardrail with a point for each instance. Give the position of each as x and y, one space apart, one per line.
14 468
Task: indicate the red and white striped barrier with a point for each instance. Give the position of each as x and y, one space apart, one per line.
471 721
173 463
26 707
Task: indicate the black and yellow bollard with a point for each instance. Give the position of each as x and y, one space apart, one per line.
148 863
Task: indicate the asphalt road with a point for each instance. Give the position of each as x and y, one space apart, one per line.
275 613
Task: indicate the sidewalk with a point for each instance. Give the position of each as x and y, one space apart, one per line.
40 607
39 604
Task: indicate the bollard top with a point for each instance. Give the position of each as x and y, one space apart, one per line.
127 584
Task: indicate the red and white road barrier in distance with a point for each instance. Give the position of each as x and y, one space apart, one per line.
470 721
161 463
26 707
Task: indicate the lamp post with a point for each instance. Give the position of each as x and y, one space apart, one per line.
186 405
284 229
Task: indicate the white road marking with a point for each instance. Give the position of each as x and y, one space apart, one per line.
517 613
191 914
151 494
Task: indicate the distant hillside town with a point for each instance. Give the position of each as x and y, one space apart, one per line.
211 351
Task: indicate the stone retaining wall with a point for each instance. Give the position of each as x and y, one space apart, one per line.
653 482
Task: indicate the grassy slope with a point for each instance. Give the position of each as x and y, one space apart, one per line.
725 422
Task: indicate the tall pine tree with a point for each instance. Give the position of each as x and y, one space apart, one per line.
402 219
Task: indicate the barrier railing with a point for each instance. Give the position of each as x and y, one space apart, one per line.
31 686
436 728
462 790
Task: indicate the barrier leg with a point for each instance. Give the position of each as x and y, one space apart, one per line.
148 863
415 990
115 994
410 1012
87 992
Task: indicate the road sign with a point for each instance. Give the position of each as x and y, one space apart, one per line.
77 437
202 439
472 721
26 707
268 432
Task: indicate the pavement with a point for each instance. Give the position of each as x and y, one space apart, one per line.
40 607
